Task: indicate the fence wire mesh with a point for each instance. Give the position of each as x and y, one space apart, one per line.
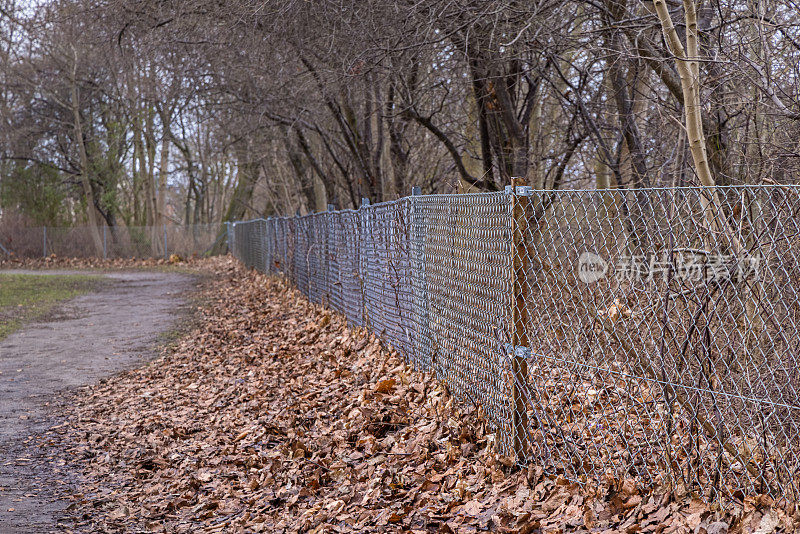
649 333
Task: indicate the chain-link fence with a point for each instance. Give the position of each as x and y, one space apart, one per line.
110 242
648 333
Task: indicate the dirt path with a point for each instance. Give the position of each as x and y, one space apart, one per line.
86 339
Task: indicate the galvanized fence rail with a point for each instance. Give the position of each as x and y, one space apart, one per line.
647 333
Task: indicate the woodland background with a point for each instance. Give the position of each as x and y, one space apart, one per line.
145 112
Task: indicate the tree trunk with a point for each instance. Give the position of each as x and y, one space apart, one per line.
688 70
686 62
91 210
163 171
247 174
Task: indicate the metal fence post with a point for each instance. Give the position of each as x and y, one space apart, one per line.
363 264
419 295
44 241
327 225
105 245
166 256
228 235
234 244
519 338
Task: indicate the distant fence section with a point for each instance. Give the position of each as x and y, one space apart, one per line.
112 242
647 333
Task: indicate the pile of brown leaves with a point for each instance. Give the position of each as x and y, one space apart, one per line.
272 416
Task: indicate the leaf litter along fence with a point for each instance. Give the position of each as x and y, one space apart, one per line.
115 242
650 333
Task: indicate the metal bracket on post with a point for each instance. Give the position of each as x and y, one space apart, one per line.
416 191
519 316
523 191
364 201
331 207
519 190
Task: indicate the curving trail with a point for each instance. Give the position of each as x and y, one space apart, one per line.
84 340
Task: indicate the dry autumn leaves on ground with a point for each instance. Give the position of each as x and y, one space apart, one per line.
270 415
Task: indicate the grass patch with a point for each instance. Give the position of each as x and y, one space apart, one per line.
26 297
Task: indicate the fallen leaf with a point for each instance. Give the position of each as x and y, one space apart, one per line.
385 386
473 508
